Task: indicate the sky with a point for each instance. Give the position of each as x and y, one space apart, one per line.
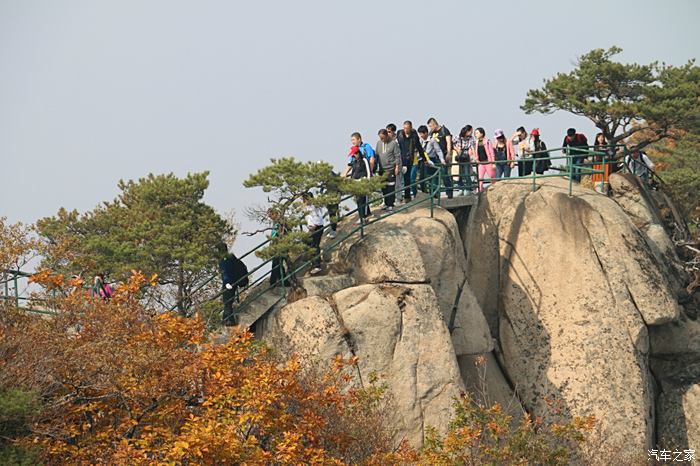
92 92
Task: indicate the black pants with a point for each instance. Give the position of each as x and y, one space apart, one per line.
576 171
333 214
277 270
524 167
447 180
422 175
230 297
362 207
389 190
316 235
407 182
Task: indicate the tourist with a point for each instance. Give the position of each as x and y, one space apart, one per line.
314 224
461 146
577 157
601 164
391 130
504 155
234 275
365 149
537 149
100 288
435 158
520 144
358 169
410 146
483 154
639 164
389 156
443 137
278 230
331 188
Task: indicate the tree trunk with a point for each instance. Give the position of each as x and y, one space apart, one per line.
181 291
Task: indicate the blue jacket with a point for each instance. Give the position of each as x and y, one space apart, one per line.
366 150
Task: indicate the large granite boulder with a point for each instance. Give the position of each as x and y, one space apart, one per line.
398 335
415 248
646 210
569 286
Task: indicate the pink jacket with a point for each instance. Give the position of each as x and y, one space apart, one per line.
490 153
510 151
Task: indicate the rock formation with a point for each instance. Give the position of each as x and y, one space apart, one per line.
554 304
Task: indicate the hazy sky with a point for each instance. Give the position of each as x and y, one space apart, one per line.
94 91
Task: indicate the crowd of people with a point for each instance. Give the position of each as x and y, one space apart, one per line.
469 162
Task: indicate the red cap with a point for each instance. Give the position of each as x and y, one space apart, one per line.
535 132
354 150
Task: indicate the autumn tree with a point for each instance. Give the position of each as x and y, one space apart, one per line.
158 224
17 247
113 382
623 99
120 384
285 181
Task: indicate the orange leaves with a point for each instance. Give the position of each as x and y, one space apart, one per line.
123 386
48 279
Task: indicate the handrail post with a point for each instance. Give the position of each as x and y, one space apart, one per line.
534 172
16 290
362 219
570 164
603 179
284 280
432 203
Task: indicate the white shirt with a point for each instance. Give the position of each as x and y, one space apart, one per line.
641 166
314 216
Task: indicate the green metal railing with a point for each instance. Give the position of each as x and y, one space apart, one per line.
573 167
255 288
434 181
10 292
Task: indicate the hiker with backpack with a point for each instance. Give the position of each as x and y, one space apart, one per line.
577 157
536 149
639 164
359 168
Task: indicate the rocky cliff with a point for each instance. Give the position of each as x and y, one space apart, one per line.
558 297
